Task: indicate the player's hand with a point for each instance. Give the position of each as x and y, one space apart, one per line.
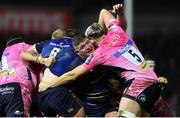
49 61
43 86
163 80
118 9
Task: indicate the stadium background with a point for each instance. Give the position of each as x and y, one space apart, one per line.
155 29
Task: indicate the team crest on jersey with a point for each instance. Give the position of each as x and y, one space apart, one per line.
89 59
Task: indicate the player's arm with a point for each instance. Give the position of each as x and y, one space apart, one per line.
118 9
104 17
32 55
64 79
90 63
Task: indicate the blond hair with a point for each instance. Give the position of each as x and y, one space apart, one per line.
58 34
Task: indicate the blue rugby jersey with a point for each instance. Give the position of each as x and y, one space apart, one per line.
62 49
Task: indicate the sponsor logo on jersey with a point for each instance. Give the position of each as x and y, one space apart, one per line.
60 45
6 90
124 49
113 42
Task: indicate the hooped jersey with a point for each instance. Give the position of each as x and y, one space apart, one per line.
119 51
95 87
14 69
62 49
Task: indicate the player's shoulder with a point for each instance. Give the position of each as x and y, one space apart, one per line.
113 22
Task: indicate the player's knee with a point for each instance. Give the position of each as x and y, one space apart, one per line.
126 114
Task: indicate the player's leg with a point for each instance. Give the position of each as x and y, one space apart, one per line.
129 108
138 97
18 100
112 110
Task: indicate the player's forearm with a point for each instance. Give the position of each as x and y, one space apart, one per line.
118 9
29 56
64 79
69 76
123 21
57 82
104 17
34 57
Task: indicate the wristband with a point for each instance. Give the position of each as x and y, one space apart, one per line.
40 60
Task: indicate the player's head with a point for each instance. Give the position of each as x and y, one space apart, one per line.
84 46
13 40
94 31
58 34
71 32
150 61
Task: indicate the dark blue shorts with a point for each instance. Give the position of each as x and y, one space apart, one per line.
59 101
11 102
98 110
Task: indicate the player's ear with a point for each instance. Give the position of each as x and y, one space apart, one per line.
77 51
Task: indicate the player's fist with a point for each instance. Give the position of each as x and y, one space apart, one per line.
118 9
162 80
49 61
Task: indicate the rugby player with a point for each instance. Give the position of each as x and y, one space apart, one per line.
118 50
18 81
58 101
94 88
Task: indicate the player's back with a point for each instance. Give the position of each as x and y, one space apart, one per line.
125 54
14 69
66 58
11 59
12 53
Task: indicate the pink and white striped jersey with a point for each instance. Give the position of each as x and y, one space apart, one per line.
118 50
13 68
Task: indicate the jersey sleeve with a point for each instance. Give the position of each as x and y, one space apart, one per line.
93 60
39 46
26 46
113 25
113 22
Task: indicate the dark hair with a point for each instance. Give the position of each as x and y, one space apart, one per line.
78 39
3 46
13 40
94 31
71 32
